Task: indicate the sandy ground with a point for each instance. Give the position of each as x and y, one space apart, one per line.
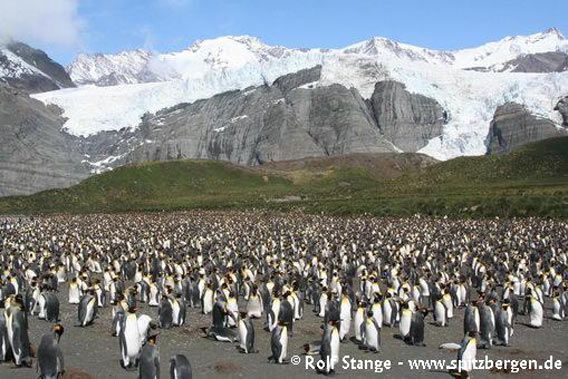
93 352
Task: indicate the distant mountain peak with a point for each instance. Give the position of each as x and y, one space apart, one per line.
555 32
30 69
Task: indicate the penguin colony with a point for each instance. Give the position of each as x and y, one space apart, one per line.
260 273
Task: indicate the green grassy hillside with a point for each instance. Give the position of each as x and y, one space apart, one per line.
530 181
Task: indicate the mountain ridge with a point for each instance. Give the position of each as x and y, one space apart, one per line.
238 99
506 49
210 67
531 181
31 70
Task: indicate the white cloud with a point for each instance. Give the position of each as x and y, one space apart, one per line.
54 22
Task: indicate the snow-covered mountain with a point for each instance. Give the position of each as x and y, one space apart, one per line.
231 52
127 67
467 83
30 69
494 54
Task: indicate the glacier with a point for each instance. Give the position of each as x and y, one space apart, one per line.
237 62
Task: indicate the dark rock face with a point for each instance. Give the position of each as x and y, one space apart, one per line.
553 61
562 107
263 124
407 120
54 75
34 154
513 126
289 82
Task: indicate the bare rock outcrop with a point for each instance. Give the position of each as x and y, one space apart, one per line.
514 126
408 120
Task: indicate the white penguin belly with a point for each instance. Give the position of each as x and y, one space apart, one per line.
405 321
243 335
440 312
536 313
284 343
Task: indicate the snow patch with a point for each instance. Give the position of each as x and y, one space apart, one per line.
103 165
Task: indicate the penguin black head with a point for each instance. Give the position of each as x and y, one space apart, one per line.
333 322
19 299
58 329
151 340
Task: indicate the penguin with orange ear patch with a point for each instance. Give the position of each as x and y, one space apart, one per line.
17 330
149 364
49 354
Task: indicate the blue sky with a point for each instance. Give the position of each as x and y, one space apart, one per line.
166 25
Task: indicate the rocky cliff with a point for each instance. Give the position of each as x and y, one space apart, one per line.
513 126
285 120
34 154
407 120
553 61
562 108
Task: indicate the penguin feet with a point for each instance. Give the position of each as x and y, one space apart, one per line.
325 372
25 363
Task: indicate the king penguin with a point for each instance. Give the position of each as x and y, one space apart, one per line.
405 322
371 333
149 364
503 327
49 355
536 312
344 316
416 335
246 334
467 354
486 326
254 303
51 307
4 341
129 339
329 347
165 313
74 292
17 327
358 322
279 343
87 310
180 368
